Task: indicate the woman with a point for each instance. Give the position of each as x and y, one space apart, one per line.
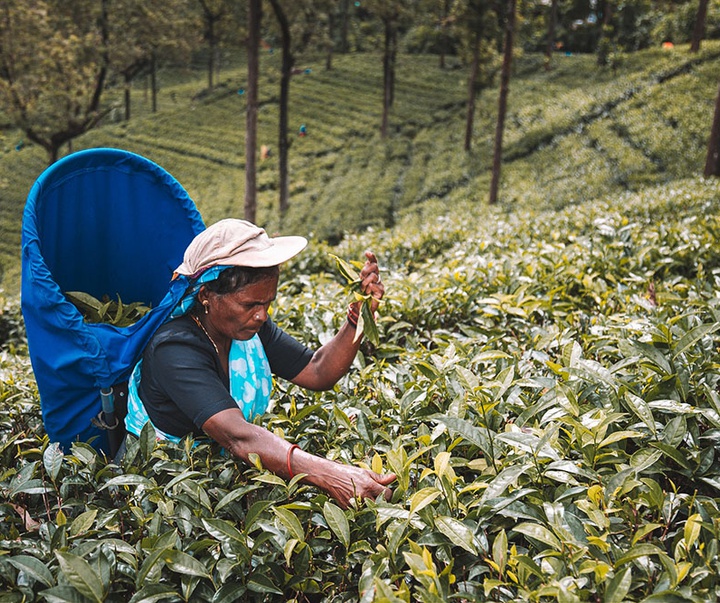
209 369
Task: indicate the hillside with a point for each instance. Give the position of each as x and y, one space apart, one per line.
574 134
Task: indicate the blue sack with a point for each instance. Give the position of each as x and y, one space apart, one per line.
104 222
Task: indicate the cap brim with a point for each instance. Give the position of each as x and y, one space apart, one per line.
279 251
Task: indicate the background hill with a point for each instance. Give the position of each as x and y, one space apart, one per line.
576 133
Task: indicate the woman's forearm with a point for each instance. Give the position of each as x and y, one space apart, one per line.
331 361
342 482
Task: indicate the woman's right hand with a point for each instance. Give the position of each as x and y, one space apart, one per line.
348 484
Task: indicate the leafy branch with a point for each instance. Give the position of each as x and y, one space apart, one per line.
366 318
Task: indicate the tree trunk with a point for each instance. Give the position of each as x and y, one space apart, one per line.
472 80
286 72
388 73
211 58
712 161
699 30
603 51
344 26
331 41
550 47
443 31
502 104
128 84
253 44
393 62
153 81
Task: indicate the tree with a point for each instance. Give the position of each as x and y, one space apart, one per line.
445 6
552 24
606 34
477 22
140 32
502 104
390 13
712 159
253 61
288 61
699 30
213 13
298 29
52 90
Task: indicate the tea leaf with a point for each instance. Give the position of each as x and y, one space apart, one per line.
457 532
81 576
337 522
33 567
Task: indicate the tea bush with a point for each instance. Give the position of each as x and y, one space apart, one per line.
545 388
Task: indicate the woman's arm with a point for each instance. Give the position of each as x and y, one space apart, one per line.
343 482
333 360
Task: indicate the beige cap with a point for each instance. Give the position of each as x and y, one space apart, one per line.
233 242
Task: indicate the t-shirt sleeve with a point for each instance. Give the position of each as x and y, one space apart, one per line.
189 378
286 355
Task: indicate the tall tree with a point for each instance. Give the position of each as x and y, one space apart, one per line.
606 33
477 24
445 6
301 23
288 61
344 44
251 113
712 159
552 24
53 68
699 29
502 104
391 13
140 32
213 13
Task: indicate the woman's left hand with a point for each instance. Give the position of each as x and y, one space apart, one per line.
370 282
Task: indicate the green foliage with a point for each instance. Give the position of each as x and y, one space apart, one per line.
545 386
12 327
107 310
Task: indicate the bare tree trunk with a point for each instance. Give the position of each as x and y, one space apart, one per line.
211 60
344 26
153 81
331 41
603 51
552 22
126 95
286 72
388 73
472 80
253 43
699 30
443 30
502 105
712 160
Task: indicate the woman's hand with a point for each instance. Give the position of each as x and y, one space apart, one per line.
370 282
344 483
347 483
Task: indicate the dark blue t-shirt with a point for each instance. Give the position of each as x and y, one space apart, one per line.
183 383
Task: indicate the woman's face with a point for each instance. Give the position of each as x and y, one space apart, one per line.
240 315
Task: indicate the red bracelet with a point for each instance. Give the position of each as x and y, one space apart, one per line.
353 315
289 454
